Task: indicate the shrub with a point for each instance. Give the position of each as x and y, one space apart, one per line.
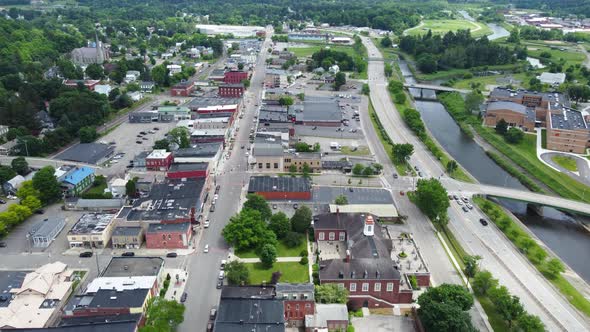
304 253
303 261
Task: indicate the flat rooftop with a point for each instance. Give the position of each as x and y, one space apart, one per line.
320 109
133 266
280 184
184 167
89 153
199 150
10 280
211 103
91 223
568 119
414 263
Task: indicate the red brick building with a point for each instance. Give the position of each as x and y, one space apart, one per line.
231 90
182 89
188 170
298 301
158 160
168 236
235 76
90 84
280 188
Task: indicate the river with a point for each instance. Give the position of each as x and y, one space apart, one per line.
498 31
558 231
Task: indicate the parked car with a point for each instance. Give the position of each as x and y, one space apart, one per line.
221 275
219 284
350 189
483 221
206 250
142 132
210 324
212 209
217 189
2 201
39 211
395 176
2 244
3 298
401 193
296 206
465 199
206 224
138 142
465 209
222 265
86 254
213 313
183 297
128 254
171 255
469 206
274 206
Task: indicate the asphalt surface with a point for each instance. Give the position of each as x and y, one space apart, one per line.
583 173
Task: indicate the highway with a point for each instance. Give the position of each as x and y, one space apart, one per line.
499 255
233 178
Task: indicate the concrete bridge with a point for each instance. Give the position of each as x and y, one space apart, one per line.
435 87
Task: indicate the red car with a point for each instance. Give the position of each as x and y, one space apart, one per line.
401 193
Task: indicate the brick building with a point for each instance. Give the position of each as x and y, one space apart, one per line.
516 115
168 236
188 170
158 160
567 131
90 84
234 76
231 90
182 89
280 188
298 300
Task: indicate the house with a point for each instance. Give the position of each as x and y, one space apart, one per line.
188 170
92 230
173 113
117 187
76 180
182 89
552 78
334 69
298 301
168 236
231 90
89 84
268 157
234 76
147 86
48 231
516 115
6 148
127 237
280 188
158 160
135 95
132 76
298 159
103 89
328 317
174 69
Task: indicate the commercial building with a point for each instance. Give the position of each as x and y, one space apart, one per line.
298 301
173 113
202 152
182 89
158 160
236 315
135 267
168 236
267 157
188 171
320 111
89 153
127 237
92 230
341 40
231 90
208 136
328 317
103 323
238 31
93 205
235 76
280 188
567 131
299 159
381 212
144 116
217 75
76 179
308 36
108 302
516 115
47 232
214 106
37 301
552 78
540 102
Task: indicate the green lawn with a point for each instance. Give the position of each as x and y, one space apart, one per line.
483 81
496 321
446 74
571 54
478 29
360 151
566 162
282 251
292 272
302 52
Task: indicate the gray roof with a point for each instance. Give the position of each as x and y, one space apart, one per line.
133 267
556 99
129 326
166 228
127 231
86 320
114 203
89 153
188 167
199 150
377 269
295 291
129 298
201 102
507 105
250 314
568 119
48 227
248 292
280 184
267 149
320 109
325 313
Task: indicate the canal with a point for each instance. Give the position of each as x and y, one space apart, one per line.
558 231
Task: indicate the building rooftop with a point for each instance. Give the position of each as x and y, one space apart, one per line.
280 184
267 149
359 269
414 263
293 291
183 85
121 283
121 326
77 175
567 119
108 298
127 231
326 313
320 109
91 223
133 266
206 102
159 154
552 78
248 292
89 321
169 228
199 150
209 132
183 167
507 105
555 99
377 210
250 315
304 155
48 226
171 109
89 153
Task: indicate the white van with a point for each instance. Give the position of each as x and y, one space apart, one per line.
221 275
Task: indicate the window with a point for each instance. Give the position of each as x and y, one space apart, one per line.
390 286
307 306
163 236
276 165
169 237
259 165
288 307
180 236
268 165
365 286
297 307
331 236
321 236
341 285
289 160
353 286
377 287
341 236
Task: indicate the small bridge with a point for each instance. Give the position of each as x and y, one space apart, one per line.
435 88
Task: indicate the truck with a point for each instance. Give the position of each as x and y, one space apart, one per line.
334 145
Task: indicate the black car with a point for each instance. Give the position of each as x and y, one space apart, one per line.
142 132
217 189
212 209
144 138
138 142
156 128
2 244
483 221
395 175
2 201
128 254
219 284
171 255
350 189
183 297
3 298
86 254
39 211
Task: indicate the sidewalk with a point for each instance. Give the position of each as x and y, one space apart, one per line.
176 288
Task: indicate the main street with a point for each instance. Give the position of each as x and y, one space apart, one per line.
232 176
499 255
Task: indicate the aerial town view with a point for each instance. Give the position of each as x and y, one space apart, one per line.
277 165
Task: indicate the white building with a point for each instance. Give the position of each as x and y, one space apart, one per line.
174 69
131 76
236 30
117 187
334 69
103 89
135 95
552 78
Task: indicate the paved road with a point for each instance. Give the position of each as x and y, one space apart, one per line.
204 268
583 173
499 255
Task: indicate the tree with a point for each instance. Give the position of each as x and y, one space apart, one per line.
508 306
131 187
472 101
365 89
301 220
258 203
293 169
31 202
443 317
388 70
514 36
553 267
305 169
268 255
160 75
87 134
46 183
341 200
21 212
293 239
330 293
280 224
302 147
400 97
402 152
378 167
286 101
132 87
456 295
471 265
95 71
578 92
20 165
180 136
237 273
240 66
163 315
427 63
483 282
26 189
246 83
162 144
386 42
431 198
529 323
6 173
339 80
247 230
501 127
514 135
395 86
358 169
452 166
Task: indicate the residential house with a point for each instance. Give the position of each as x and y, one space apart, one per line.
147 86
76 180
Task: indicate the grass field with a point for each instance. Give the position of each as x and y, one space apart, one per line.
571 54
291 272
566 162
360 151
484 81
282 251
306 51
443 26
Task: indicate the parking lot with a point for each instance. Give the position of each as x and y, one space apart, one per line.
9 280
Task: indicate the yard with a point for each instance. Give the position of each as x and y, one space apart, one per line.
303 50
492 80
443 26
566 162
282 251
291 272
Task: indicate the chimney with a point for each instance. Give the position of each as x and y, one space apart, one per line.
347 259
369 229
365 274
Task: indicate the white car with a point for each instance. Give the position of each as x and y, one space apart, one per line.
206 224
216 196
206 250
247 153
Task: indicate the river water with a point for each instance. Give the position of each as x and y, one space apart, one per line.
558 231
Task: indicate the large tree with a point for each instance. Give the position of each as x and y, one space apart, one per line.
483 282
280 224
330 293
46 183
457 295
529 323
339 80
247 230
514 135
472 101
471 265
180 136
20 165
444 308
401 152
432 199
258 203
95 71
163 315
508 306
268 255
301 220
6 173
237 273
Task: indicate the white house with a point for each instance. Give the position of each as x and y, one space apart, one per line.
166 56
135 95
103 89
174 69
334 69
131 76
117 187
